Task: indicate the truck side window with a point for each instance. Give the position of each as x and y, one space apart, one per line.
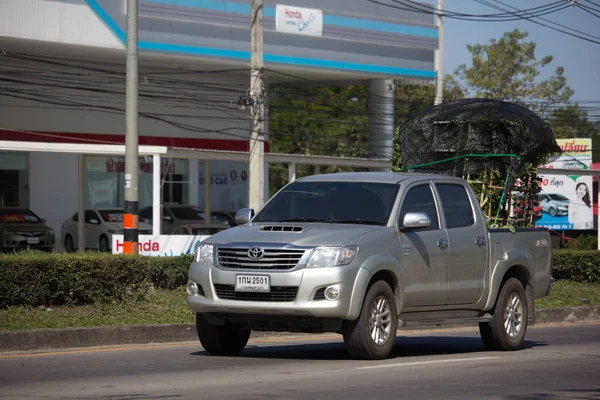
456 205
420 199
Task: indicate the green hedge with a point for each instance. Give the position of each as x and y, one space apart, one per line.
35 279
58 278
576 265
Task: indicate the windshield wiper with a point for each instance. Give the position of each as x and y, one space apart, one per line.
302 220
358 221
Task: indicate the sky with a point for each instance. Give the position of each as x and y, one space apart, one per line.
580 59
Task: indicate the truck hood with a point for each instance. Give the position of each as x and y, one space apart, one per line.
313 234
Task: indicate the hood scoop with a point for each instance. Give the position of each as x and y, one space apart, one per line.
281 228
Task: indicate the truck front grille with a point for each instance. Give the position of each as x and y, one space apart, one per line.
272 259
277 293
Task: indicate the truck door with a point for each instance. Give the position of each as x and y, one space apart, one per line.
467 244
423 252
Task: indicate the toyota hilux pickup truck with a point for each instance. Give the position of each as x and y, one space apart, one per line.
362 254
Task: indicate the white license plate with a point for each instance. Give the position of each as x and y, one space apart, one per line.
252 283
33 240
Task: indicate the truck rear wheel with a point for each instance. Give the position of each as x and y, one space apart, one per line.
227 339
507 329
372 335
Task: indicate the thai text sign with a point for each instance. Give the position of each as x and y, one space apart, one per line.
297 20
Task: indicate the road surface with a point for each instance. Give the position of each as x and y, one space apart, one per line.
557 362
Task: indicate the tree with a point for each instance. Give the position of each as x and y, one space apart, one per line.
507 69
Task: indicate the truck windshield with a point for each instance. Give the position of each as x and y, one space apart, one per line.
331 202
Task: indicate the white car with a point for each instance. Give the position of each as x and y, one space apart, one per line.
100 225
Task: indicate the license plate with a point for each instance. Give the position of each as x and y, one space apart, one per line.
252 283
33 240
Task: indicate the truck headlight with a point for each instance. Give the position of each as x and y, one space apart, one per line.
203 253
331 256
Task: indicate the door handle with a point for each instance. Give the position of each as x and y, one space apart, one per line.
480 241
442 243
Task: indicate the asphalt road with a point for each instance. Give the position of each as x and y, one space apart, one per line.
557 362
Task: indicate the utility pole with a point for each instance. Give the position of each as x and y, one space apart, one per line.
257 108
439 87
130 222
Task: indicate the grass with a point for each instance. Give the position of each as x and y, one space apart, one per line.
569 294
165 306
162 307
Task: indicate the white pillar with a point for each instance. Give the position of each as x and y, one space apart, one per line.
193 175
291 172
156 191
81 205
381 119
207 184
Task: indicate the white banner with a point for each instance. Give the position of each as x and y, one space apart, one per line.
299 21
161 246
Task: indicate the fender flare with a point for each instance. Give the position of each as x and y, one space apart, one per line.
512 258
369 268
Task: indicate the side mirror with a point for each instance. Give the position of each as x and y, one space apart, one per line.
167 218
94 221
44 220
244 216
415 220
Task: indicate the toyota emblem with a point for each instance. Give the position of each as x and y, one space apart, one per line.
256 253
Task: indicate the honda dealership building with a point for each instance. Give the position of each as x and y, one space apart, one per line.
62 65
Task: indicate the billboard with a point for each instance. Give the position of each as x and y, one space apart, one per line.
566 200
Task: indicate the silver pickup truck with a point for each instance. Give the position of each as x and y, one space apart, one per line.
361 254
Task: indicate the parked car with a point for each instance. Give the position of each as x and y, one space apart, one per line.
100 225
223 216
362 253
554 203
21 229
173 216
200 229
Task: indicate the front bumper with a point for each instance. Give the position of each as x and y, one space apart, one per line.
18 242
308 281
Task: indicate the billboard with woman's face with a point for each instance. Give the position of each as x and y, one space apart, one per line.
566 200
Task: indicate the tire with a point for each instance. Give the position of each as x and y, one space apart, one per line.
507 329
103 244
228 339
366 341
552 211
69 246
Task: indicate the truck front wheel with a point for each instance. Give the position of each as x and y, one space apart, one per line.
507 329
372 335
228 339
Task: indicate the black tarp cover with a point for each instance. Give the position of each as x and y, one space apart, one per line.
474 126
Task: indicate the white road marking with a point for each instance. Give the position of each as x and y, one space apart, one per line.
408 364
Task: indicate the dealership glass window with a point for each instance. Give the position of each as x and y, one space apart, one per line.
229 185
105 186
14 179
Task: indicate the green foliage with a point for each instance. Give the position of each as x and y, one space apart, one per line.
583 242
576 265
507 69
58 278
572 121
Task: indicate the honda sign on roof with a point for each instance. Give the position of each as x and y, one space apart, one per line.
300 21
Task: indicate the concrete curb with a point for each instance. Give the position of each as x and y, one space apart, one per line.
54 339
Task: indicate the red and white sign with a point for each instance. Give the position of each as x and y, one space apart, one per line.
161 246
299 21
